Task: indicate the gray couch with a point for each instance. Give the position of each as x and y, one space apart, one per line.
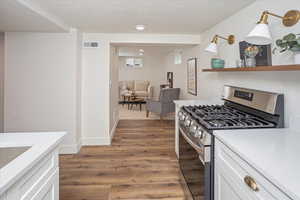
164 104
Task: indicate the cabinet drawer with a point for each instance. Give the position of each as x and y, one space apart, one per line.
228 162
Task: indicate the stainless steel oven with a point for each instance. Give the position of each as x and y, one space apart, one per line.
242 108
195 166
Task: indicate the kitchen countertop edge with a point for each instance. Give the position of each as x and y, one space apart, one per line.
49 146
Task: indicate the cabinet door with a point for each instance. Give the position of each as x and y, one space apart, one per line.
225 188
3 197
49 191
232 175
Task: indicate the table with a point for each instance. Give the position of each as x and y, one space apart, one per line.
136 101
127 97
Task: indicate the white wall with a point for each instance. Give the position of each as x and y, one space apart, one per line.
95 93
2 63
153 68
41 87
96 101
179 70
78 51
210 84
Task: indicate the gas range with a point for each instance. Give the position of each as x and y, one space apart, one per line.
242 109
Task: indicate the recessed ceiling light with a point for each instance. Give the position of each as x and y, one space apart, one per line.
142 50
140 27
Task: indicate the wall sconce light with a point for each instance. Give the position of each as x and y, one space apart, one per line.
261 35
212 47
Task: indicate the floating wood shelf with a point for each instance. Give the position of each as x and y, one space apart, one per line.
260 68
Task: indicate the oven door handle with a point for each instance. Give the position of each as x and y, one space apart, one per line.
201 151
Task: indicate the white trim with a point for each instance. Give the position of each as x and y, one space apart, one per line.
113 130
70 149
79 145
152 39
90 141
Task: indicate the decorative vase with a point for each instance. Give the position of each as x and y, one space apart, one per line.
297 57
250 62
217 63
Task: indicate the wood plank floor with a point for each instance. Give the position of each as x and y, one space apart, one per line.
140 165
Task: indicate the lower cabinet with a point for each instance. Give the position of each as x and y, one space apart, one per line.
49 191
3 197
39 183
235 179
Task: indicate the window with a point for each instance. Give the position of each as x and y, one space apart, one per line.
134 62
177 57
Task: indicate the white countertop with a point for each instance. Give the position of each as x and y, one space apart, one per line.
41 144
197 102
275 153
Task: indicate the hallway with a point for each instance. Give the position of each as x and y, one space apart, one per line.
140 164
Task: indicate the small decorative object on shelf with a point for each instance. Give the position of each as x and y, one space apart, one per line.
250 53
217 63
263 58
240 63
291 43
258 68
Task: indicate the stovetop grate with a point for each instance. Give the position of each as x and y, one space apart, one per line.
224 117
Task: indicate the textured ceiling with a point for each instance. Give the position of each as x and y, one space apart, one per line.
15 16
159 16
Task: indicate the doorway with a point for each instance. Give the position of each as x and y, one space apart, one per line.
139 74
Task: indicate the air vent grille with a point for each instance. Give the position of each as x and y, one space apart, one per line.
91 45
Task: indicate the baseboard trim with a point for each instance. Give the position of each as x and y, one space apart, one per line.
91 141
113 130
70 149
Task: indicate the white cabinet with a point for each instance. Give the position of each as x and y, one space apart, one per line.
3 197
49 191
41 182
235 179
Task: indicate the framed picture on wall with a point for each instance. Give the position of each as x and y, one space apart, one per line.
170 79
192 76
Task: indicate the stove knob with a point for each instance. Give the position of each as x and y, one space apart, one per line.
199 133
187 122
180 114
183 117
203 136
193 128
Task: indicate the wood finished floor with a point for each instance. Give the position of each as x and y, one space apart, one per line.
140 165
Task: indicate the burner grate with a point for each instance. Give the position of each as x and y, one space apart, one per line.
225 117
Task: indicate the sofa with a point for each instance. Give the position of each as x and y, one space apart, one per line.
141 89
